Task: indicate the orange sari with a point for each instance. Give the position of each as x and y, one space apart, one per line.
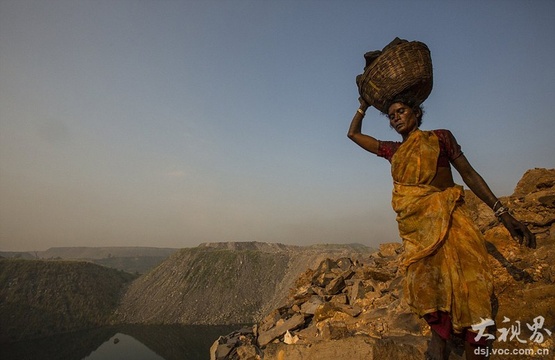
445 253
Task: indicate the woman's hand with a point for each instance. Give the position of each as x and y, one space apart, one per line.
518 230
479 187
363 104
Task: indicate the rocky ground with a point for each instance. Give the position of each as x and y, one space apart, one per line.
354 309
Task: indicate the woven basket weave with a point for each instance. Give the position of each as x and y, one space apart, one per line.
405 69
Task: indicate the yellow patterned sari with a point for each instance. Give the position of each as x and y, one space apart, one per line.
445 254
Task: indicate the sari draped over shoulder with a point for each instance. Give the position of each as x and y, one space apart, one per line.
445 254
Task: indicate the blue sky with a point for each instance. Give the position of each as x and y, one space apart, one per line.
171 123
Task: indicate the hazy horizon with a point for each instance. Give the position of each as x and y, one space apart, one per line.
173 123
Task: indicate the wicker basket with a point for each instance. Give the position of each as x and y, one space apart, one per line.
405 68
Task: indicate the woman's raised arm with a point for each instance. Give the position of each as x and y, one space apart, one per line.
355 131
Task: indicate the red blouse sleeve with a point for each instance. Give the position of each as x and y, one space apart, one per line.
387 149
449 144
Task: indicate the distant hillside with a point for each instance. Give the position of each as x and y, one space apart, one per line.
135 260
39 297
92 253
17 255
223 283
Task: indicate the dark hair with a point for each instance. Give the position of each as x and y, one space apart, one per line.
409 101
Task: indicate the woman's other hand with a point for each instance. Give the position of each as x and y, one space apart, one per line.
518 230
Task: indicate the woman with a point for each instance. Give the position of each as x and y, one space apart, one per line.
447 277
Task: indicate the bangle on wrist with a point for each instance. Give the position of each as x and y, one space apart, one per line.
361 112
502 210
496 203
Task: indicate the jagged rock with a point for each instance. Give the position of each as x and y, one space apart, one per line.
220 351
340 299
380 274
311 305
534 180
248 352
353 311
326 266
344 263
290 339
239 345
547 199
390 249
323 312
269 321
322 279
333 330
265 337
357 291
336 285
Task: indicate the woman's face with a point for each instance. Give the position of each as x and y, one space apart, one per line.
402 118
